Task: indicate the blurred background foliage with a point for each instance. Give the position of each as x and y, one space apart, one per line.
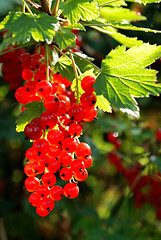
105 207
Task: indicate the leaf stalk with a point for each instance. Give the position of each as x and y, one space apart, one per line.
76 76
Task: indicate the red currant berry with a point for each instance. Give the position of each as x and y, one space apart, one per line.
66 174
69 145
83 150
41 212
48 179
55 137
87 84
43 191
71 190
88 100
56 193
75 129
32 183
81 175
34 199
27 74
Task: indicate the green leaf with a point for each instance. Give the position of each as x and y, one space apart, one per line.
24 27
111 3
127 41
33 110
119 14
64 37
77 26
80 9
103 104
131 27
65 67
145 1
124 76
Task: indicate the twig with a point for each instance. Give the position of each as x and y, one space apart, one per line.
76 76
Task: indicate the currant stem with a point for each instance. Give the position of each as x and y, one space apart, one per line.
76 76
26 6
23 6
86 61
47 61
46 6
56 6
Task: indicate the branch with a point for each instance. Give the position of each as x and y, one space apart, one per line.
46 6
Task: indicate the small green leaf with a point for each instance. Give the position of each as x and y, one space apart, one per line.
64 37
103 104
124 76
111 3
25 27
33 110
80 9
131 27
119 14
127 41
65 67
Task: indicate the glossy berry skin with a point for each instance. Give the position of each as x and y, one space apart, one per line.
69 145
90 114
81 175
29 170
41 212
51 103
112 137
87 84
75 129
88 100
37 168
54 151
41 146
83 150
77 165
54 166
47 204
33 130
71 190
87 161
27 74
48 120
43 191
76 112
66 174
31 155
32 183
48 179
34 199
65 158
56 193
55 137
43 89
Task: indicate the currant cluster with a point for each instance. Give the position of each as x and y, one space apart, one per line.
56 150
12 66
145 188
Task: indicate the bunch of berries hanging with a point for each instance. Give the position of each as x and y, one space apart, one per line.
56 150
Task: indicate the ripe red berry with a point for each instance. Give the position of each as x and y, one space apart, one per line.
48 179
43 89
27 74
34 199
66 173
32 183
71 190
56 193
83 150
55 137
33 130
69 144
41 212
88 100
75 129
87 84
43 191
81 175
